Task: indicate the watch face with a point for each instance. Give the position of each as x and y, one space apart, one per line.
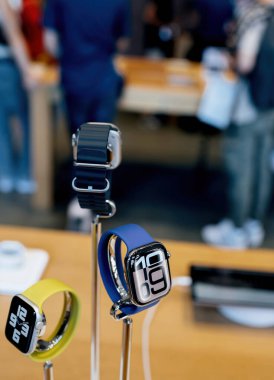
20 324
148 273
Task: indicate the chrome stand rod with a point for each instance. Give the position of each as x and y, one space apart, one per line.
96 229
126 349
48 370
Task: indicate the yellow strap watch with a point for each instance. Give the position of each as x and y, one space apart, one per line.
26 321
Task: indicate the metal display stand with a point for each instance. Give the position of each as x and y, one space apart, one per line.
96 230
48 370
126 349
113 159
119 315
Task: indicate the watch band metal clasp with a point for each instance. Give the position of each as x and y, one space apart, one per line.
112 210
90 189
115 309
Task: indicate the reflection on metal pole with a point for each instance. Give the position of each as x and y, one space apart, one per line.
48 371
95 301
126 349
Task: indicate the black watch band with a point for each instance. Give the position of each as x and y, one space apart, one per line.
95 150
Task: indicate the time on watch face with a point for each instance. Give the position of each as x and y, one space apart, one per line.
20 324
148 273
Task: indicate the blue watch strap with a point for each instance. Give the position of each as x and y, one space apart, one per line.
119 262
134 237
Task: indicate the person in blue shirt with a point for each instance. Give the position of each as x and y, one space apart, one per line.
85 36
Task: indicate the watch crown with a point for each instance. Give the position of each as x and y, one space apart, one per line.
73 140
39 325
74 143
41 328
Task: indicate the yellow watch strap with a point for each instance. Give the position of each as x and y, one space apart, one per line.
37 294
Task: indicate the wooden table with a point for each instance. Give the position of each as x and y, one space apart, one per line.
168 86
185 343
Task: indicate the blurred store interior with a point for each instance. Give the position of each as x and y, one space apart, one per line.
171 179
190 84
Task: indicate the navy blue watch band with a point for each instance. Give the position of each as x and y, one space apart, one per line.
134 237
92 149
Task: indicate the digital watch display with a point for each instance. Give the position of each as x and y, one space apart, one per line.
26 322
142 278
148 273
24 325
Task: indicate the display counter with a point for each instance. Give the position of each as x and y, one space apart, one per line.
186 342
170 86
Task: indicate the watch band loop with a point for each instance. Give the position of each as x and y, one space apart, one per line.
93 164
65 329
90 189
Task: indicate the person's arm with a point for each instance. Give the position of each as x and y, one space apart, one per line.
15 37
248 48
123 27
51 27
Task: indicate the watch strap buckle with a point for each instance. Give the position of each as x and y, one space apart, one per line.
112 210
116 312
90 189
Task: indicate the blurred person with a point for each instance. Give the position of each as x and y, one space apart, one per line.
164 23
248 141
136 47
159 28
15 77
84 36
31 21
210 27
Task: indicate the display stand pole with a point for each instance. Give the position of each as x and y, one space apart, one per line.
84 143
48 371
96 229
126 349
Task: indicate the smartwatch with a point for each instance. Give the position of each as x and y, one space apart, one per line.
142 278
26 321
96 152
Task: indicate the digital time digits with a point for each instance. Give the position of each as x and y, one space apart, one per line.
19 319
150 275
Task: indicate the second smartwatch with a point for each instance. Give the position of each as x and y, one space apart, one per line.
26 323
142 278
